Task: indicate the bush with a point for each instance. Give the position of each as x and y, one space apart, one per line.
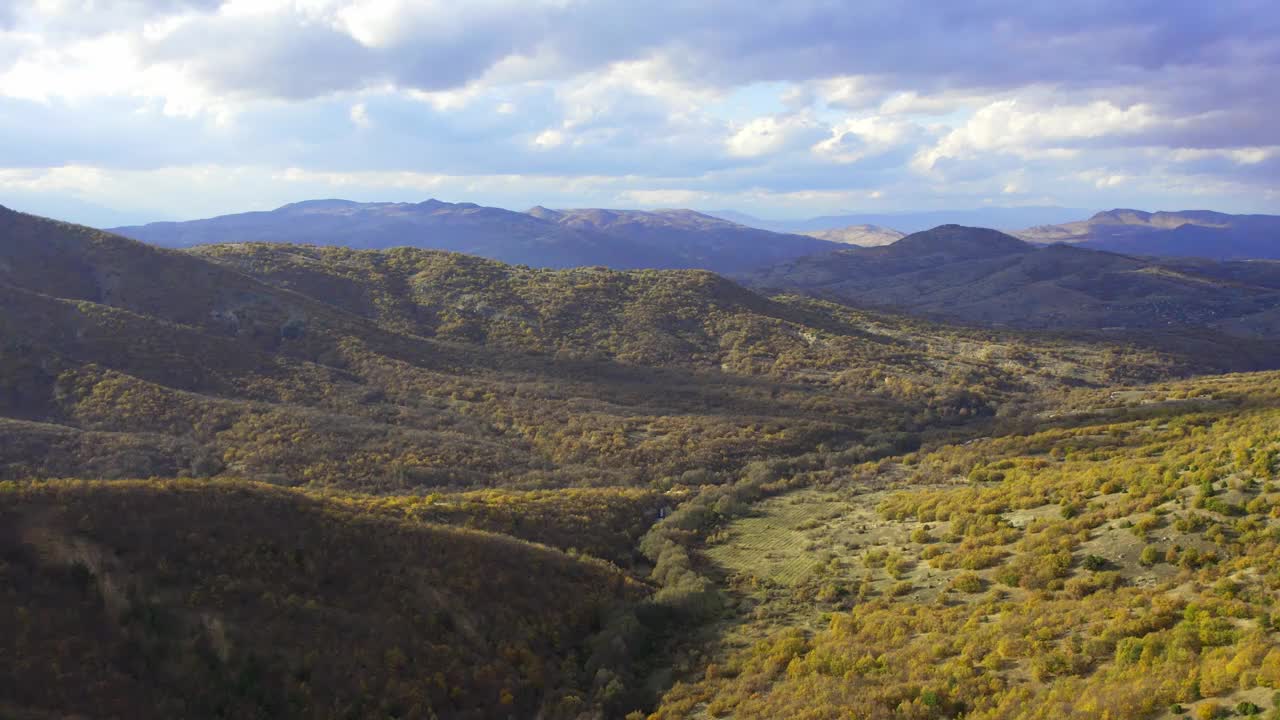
1209 711
969 583
1150 555
1094 563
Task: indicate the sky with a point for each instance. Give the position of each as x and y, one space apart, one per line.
116 111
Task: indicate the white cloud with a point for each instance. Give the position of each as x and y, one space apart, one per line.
772 134
855 139
449 100
360 116
622 91
105 66
851 92
1239 156
549 139
912 102
808 104
664 198
1006 126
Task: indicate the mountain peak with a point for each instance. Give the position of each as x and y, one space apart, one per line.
544 213
959 242
1121 216
323 205
1161 218
861 235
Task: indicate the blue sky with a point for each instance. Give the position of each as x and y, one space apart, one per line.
127 110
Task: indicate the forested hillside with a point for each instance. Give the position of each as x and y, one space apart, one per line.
269 480
1115 557
206 599
414 369
984 277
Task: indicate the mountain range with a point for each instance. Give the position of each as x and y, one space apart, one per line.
1189 233
416 483
369 370
908 222
951 272
725 242
543 238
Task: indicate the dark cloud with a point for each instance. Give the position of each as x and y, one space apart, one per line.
991 44
275 56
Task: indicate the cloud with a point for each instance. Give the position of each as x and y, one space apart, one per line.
269 54
666 198
360 116
805 102
437 45
549 139
849 92
853 140
1008 127
773 134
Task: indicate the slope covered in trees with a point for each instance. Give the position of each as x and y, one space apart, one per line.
415 369
1115 557
198 599
510 492
685 238
986 277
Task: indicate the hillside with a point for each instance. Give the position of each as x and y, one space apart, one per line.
411 369
539 238
202 600
986 277
690 239
460 227
1115 557
504 491
1189 233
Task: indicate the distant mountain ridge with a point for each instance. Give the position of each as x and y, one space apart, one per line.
1000 218
697 239
988 277
619 239
1186 233
864 235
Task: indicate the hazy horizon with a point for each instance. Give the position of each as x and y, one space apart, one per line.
91 215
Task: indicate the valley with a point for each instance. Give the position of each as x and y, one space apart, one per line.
597 360
1043 573
508 491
